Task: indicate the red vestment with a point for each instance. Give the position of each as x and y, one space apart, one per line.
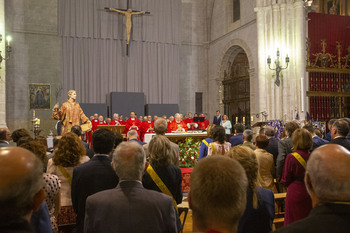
114 122
146 127
122 122
189 121
94 124
175 125
133 122
204 124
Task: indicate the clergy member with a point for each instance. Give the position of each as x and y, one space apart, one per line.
203 125
133 124
147 126
94 122
177 125
121 121
190 123
101 121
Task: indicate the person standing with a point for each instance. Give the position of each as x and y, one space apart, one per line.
226 123
70 113
217 118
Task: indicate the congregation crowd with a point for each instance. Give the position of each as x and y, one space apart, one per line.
107 184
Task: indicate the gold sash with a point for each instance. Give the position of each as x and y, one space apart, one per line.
160 184
300 159
65 174
213 148
205 142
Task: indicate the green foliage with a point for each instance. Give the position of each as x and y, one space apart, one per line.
189 151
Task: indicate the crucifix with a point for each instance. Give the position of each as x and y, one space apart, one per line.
128 13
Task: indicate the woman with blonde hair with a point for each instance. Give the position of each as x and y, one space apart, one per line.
70 152
203 150
219 146
260 208
298 202
160 163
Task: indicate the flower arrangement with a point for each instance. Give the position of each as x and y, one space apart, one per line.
189 150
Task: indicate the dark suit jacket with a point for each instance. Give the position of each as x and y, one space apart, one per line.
171 177
317 141
328 136
217 121
130 208
236 139
139 142
341 141
284 148
322 219
272 148
89 178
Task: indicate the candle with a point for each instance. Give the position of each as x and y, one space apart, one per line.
251 119
243 120
236 119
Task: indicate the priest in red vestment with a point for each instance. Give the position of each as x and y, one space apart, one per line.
147 126
133 124
121 121
190 123
101 121
115 120
177 125
94 122
203 125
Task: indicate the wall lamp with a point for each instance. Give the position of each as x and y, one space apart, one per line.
278 68
8 49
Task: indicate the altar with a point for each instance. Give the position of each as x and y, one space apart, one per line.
175 137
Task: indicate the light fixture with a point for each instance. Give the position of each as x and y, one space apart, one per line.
8 49
278 68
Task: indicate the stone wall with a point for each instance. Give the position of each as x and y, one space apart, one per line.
35 58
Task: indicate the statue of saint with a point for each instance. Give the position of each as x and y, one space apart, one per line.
128 21
70 113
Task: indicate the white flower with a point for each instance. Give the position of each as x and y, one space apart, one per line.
192 158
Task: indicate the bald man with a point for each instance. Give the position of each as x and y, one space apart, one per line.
21 188
328 183
5 137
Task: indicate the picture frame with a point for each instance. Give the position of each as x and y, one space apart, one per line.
39 95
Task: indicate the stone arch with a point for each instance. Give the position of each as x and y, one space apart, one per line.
229 54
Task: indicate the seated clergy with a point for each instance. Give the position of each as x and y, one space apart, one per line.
130 207
177 125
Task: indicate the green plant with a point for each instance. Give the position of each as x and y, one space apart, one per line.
188 150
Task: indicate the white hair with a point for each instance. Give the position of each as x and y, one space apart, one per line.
129 161
131 133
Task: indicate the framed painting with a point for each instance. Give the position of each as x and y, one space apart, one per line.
39 96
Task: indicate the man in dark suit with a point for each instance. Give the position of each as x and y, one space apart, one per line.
327 181
217 118
285 147
237 139
132 135
95 175
340 130
130 207
272 147
317 141
5 137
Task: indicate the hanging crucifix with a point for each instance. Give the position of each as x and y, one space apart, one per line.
128 13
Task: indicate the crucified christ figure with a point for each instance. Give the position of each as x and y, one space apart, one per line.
128 14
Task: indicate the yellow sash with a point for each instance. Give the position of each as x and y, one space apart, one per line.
213 148
300 159
205 142
160 184
65 174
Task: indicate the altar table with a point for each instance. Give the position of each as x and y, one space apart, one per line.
175 137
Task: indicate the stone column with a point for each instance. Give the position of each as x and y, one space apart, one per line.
301 56
3 67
